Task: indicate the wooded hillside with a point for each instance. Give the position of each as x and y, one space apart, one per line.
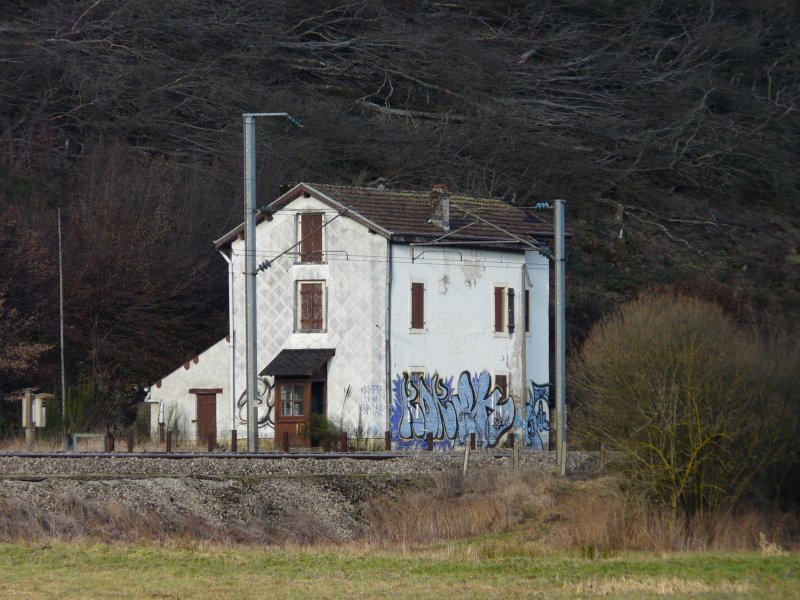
671 128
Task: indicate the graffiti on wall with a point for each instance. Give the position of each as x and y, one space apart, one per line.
537 417
371 396
430 403
265 404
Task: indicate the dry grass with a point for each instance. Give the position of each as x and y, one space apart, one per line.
450 506
593 516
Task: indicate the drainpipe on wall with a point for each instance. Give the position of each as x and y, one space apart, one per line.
232 340
389 334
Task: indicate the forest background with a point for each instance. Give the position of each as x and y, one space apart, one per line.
671 128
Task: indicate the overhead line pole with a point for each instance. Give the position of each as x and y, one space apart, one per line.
61 324
560 327
249 121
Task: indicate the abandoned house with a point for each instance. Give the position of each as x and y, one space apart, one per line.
412 312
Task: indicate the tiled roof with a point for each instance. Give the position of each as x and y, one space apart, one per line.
298 363
407 214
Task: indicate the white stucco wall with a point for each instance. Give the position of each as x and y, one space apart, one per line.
208 370
459 331
355 274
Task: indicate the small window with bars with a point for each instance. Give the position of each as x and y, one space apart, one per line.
310 228
501 381
310 306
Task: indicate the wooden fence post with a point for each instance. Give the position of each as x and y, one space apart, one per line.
169 441
472 441
285 441
429 441
344 441
131 440
388 441
212 441
234 440
514 451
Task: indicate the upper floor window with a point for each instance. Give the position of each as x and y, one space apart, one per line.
417 305
310 309
503 309
310 237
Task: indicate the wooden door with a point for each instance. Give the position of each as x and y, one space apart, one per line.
292 404
206 417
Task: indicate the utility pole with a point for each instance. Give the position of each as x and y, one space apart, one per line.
560 326
249 120
61 311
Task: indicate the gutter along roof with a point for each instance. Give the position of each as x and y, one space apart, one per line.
405 216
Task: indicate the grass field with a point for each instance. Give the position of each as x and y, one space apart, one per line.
493 567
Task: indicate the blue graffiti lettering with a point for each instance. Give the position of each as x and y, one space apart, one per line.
537 408
430 404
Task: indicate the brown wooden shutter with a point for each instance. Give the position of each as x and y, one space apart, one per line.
311 238
527 311
311 308
510 310
498 309
417 305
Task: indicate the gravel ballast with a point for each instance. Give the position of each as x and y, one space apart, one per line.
272 500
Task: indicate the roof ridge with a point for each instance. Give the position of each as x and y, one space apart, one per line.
453 195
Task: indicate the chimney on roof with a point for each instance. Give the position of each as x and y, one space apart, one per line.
440 206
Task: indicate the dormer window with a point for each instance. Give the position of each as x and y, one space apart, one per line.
309 233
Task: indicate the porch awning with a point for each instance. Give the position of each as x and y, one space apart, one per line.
298 363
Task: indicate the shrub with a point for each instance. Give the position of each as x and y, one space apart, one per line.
700 411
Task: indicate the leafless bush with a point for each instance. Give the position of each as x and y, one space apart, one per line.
698 409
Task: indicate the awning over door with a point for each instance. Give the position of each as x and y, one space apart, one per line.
298 363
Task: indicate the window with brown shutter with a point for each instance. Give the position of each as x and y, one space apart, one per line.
311 237
311 309
510 319
499 306
527 311
417 305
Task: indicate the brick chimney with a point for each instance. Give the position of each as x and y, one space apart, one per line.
440 206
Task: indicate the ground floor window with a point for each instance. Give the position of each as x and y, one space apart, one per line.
293 400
